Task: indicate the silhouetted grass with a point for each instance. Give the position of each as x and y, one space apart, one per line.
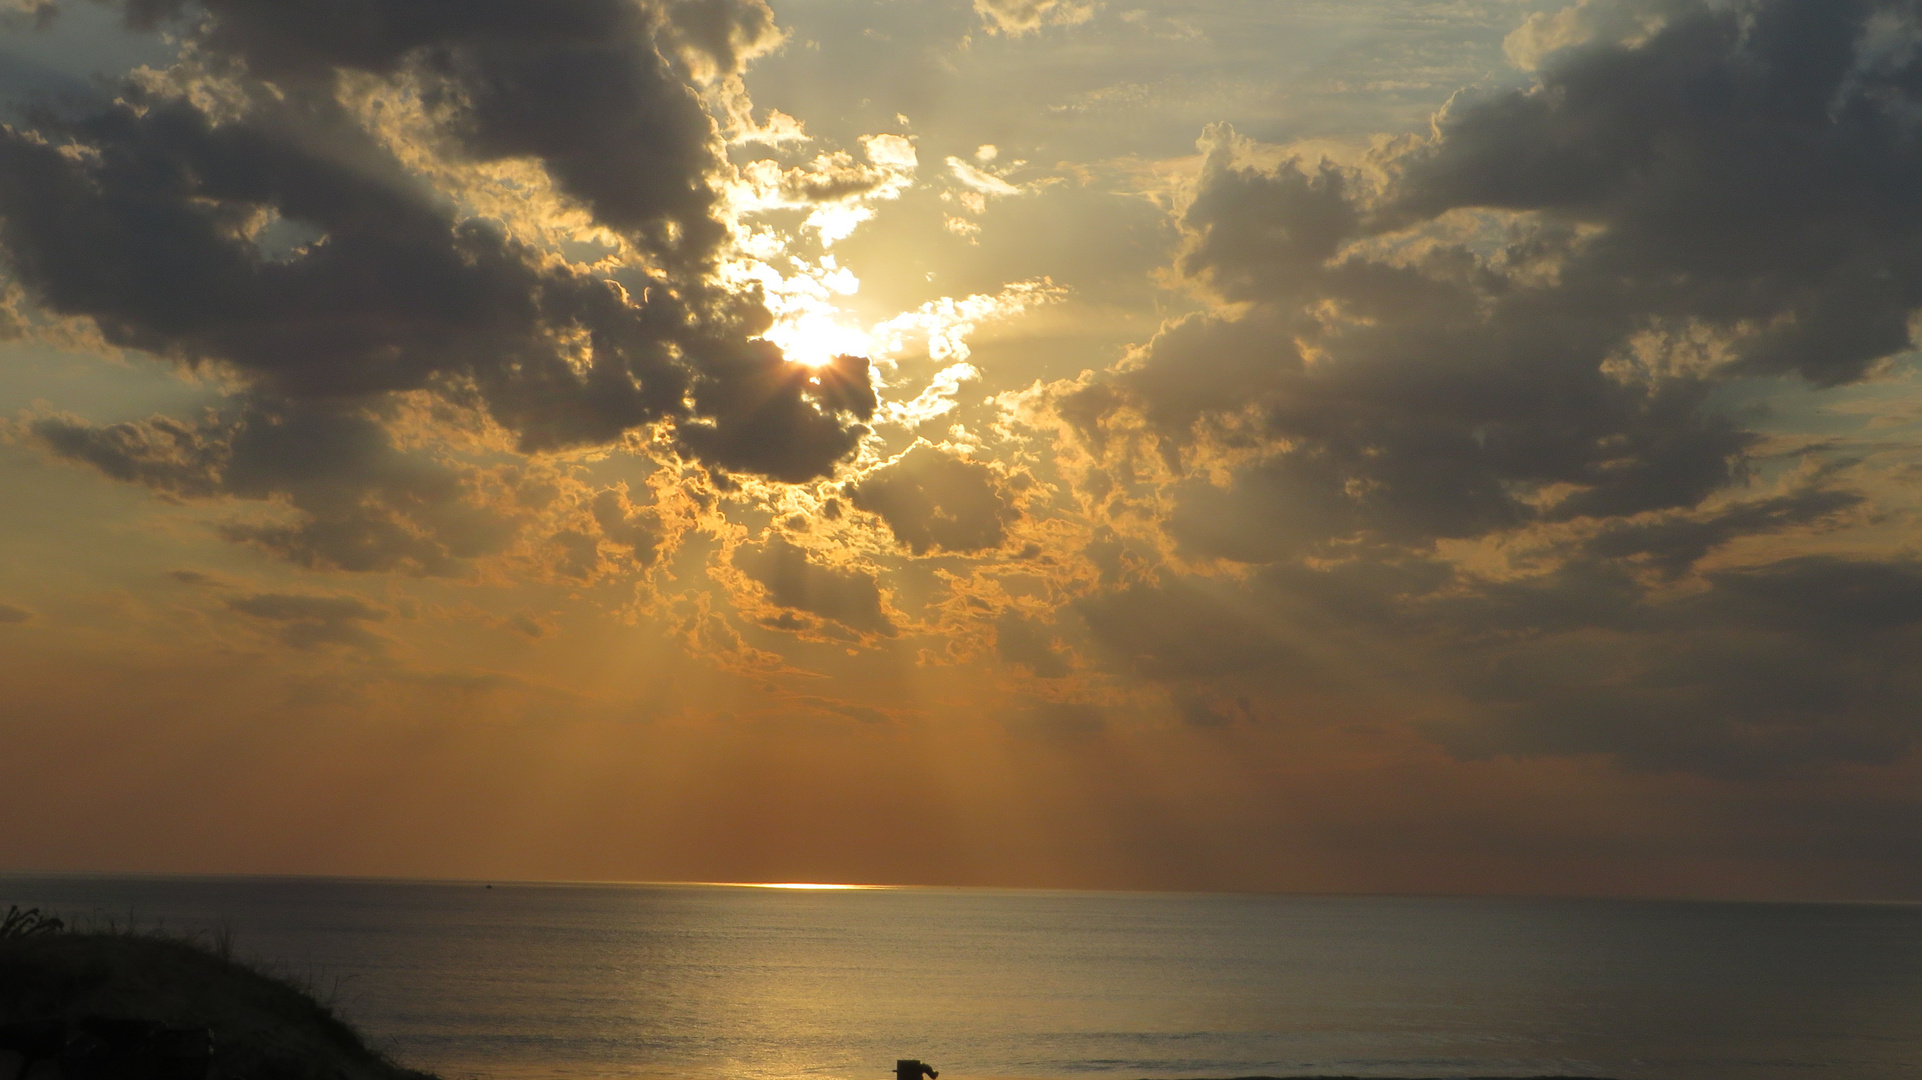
265 1026
18 923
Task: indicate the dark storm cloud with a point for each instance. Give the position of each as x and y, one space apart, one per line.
1517 329
786 421
849 597
1421 417
1733 196
362 502
1750 163
576 83
932 501
11 614
157 221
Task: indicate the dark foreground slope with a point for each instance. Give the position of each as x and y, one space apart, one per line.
262 1028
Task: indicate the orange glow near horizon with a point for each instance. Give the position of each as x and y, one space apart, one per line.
1132 502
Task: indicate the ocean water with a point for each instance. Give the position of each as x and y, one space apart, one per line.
730 983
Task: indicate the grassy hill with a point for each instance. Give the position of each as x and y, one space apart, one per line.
263 1027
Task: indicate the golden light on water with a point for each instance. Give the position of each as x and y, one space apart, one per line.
807 885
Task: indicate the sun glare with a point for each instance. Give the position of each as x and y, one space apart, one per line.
815 339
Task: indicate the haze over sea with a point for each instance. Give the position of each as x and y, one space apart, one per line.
702 981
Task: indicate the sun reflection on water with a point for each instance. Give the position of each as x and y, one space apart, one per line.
813 885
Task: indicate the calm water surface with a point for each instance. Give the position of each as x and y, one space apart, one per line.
721 983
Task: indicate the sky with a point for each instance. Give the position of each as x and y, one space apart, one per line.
1425 446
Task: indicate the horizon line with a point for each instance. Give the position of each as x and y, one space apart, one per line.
802 886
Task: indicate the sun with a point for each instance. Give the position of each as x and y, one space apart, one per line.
815 338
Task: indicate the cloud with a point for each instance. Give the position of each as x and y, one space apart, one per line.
1462 411
979 180
1027 642
943 326
1824 596
160 452
849 597
154 217
1617 22
360 501
863 713
1764 671
1189 630
832 178
1017 17
1673 543
769 418
1200 711
934 502
1525 318
309 620
1774 208
890 151
38 14
11 614
1779 669
527 625
290 607
577 83
717 38
639 529
1058 720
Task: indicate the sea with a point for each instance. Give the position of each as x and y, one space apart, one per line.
721 982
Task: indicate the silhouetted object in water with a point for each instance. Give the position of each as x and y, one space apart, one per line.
910 1069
